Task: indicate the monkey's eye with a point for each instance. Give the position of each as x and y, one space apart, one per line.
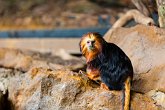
93 41
88 42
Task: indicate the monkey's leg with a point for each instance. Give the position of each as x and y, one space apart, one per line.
126 94
104 86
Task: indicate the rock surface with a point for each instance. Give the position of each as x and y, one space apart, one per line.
24 60
34 86
145 46
158 96
41 88
33 81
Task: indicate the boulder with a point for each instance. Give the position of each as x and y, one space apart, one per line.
45 89
145 46
37 86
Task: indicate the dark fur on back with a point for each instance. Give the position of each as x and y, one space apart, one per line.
114 66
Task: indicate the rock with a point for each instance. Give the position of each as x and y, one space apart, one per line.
14 58
158 97
3 85
5 75
145 46
24 60
64 55
41 88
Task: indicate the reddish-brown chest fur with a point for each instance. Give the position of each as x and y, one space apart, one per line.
93 73
91 55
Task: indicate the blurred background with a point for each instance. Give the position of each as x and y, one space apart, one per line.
51 25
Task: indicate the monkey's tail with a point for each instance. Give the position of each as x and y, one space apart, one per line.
126 94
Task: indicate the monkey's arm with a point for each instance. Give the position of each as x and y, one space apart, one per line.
92 75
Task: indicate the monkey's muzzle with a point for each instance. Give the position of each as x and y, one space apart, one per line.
90 45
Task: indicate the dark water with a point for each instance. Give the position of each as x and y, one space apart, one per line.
57 33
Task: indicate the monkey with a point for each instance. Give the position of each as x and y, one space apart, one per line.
108 63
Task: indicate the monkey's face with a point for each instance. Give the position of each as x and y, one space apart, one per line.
91 45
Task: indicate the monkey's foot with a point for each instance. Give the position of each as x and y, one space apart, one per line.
104 86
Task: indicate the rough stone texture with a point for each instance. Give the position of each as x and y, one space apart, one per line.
40 87
158 97
45 89
145 45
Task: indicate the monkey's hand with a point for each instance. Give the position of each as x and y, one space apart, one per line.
90 77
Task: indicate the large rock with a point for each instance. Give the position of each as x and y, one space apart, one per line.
24 60
34 85
44 89
145 45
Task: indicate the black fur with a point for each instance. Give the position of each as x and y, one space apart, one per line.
114 66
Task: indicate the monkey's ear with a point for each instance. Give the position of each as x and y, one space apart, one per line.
80 48
80 45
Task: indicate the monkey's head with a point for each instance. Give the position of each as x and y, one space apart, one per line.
91 45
